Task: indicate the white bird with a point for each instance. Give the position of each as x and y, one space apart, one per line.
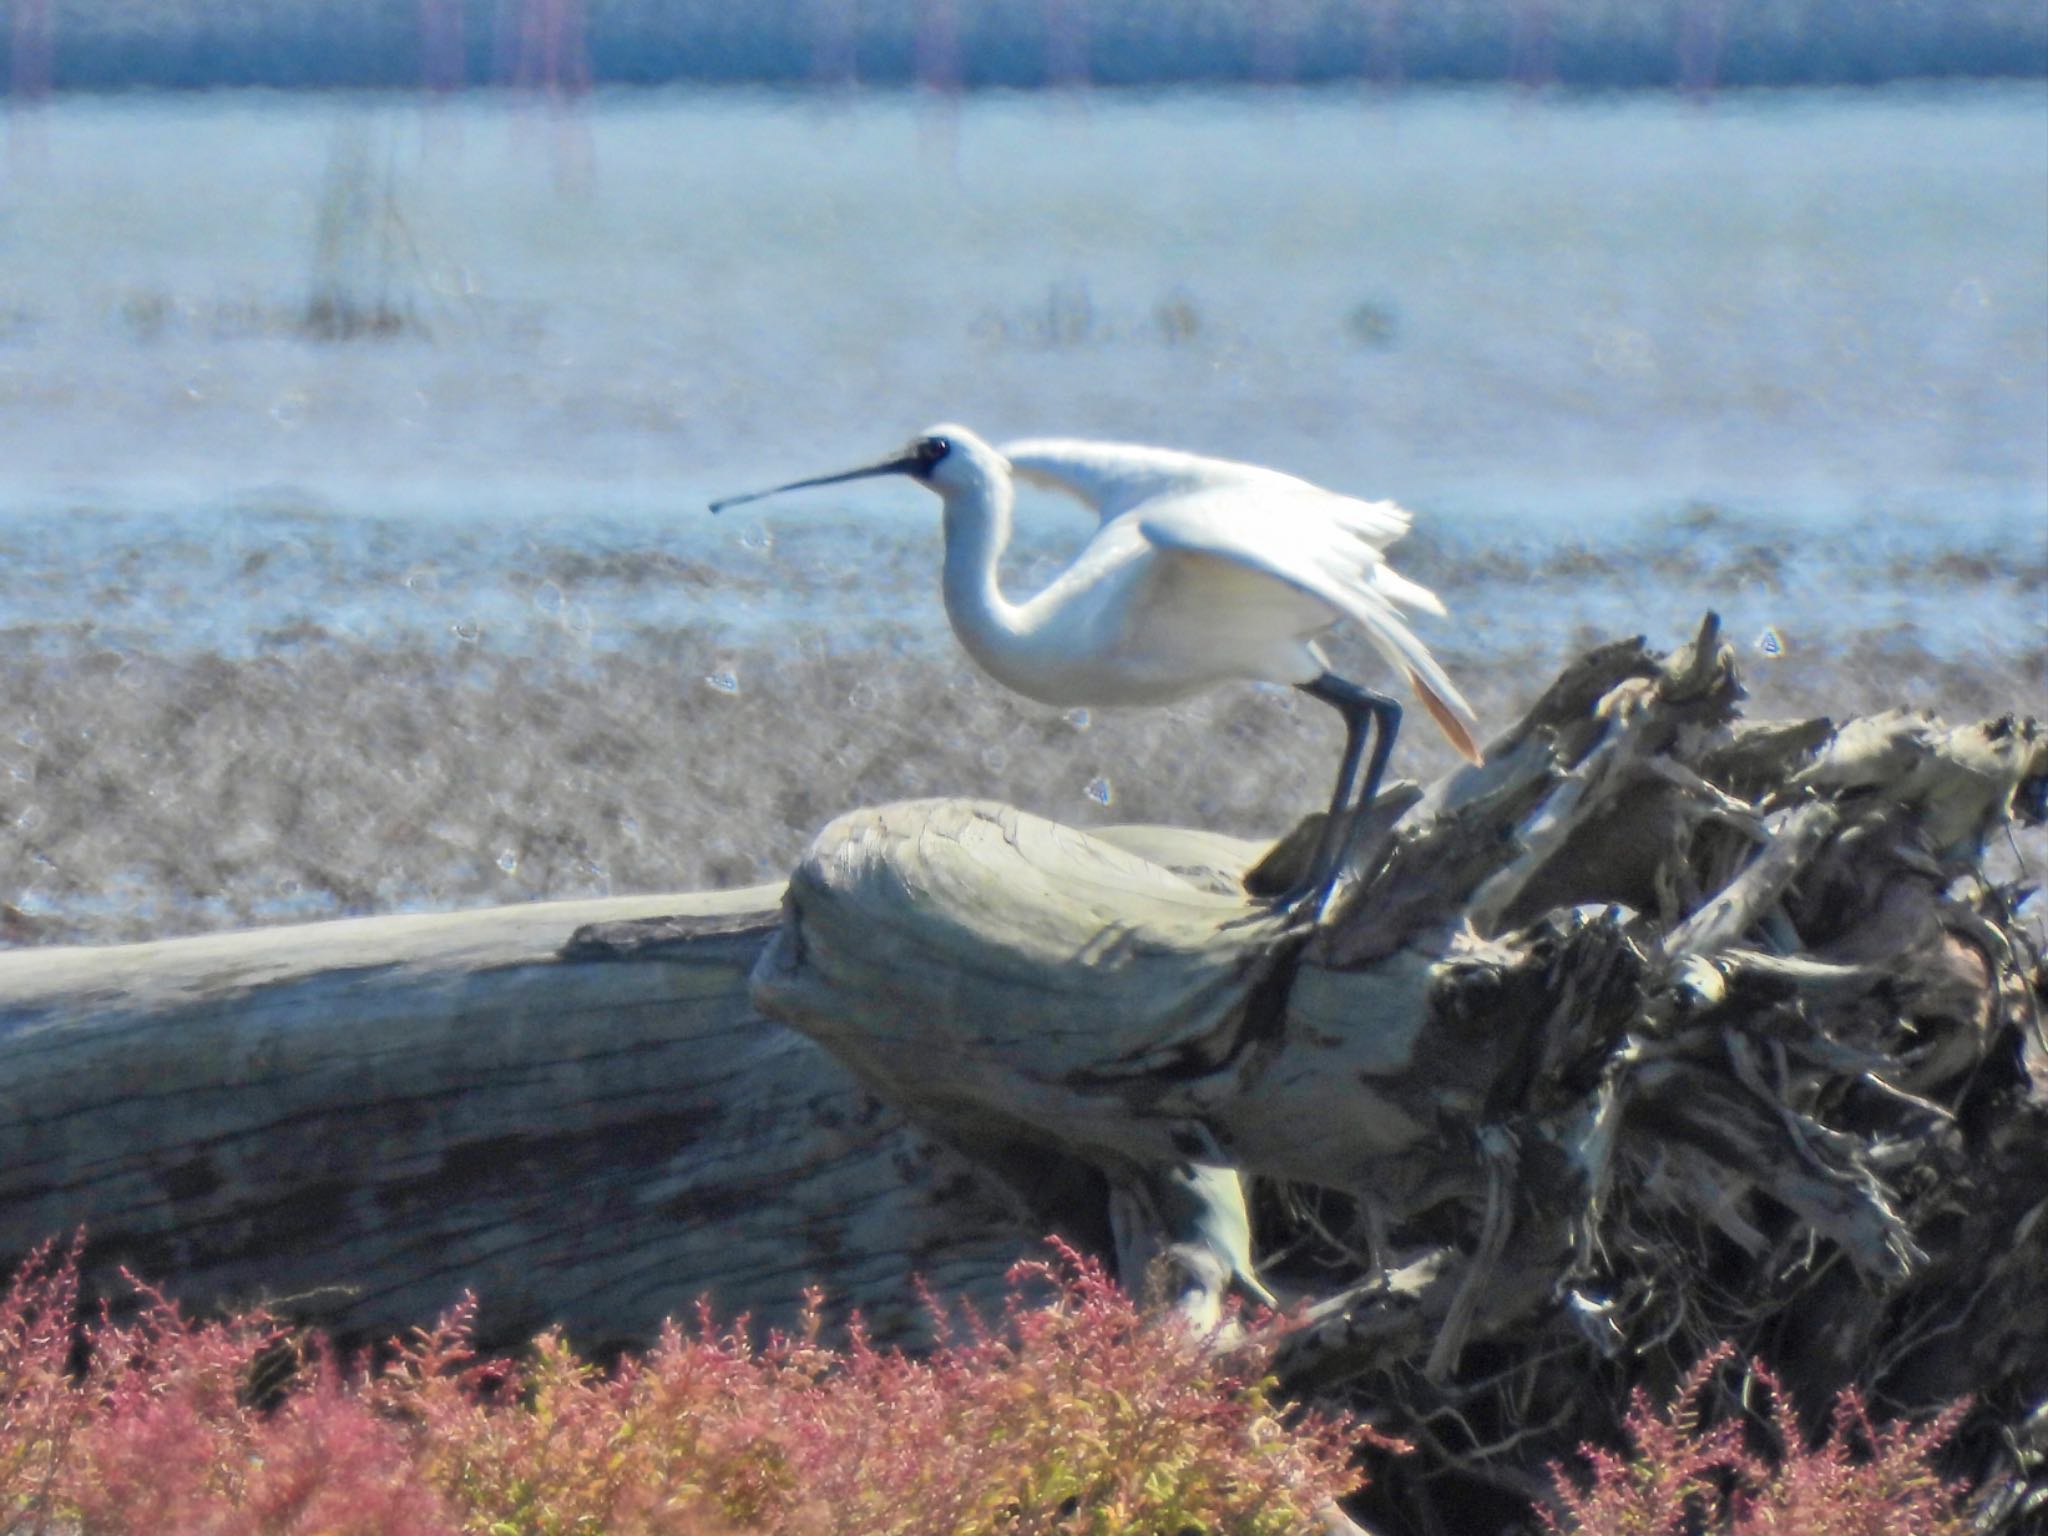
1203 572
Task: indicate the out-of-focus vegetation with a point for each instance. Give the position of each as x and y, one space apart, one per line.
1693 1471
1074 1415
1071 1414
1695 43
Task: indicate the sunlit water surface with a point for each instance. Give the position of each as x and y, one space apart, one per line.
333 430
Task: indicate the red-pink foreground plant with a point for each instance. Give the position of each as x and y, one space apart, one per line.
1075 1415
1864 1479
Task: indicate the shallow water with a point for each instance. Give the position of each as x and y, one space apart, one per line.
298 625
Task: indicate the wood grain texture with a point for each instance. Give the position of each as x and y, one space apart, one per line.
370 1116
1650 986
1657 1027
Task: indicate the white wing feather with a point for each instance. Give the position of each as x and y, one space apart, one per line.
1115 478
1318 543
1259 519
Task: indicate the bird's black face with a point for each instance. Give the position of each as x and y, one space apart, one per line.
926 454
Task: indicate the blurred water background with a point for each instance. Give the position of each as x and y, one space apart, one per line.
354 447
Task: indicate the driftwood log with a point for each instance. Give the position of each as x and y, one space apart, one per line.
1662 1027
355 1121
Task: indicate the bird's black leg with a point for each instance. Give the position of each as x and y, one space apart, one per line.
1359 707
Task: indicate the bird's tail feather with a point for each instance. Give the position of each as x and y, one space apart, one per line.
1446 718
1440 696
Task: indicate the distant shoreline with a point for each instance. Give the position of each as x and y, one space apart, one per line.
572 45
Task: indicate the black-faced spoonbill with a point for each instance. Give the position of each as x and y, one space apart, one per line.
1203 572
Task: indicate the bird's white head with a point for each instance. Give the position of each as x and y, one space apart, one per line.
949 459
955 462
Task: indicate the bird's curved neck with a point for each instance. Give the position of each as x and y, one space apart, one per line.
977 524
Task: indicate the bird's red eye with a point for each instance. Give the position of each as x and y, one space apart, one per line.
933 449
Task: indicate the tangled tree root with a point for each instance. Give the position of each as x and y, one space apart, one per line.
1663 1028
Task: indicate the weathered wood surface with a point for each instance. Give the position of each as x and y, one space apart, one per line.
1661 1027
572 1108
1655 1029
368 1116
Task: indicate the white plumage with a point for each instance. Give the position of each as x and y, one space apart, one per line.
1248 528
1203 571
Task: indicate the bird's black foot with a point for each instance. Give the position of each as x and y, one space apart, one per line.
1303 902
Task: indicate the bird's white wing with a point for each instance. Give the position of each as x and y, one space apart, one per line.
1112 478
1115 478
1324 545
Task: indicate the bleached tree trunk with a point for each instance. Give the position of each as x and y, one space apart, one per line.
358 1120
